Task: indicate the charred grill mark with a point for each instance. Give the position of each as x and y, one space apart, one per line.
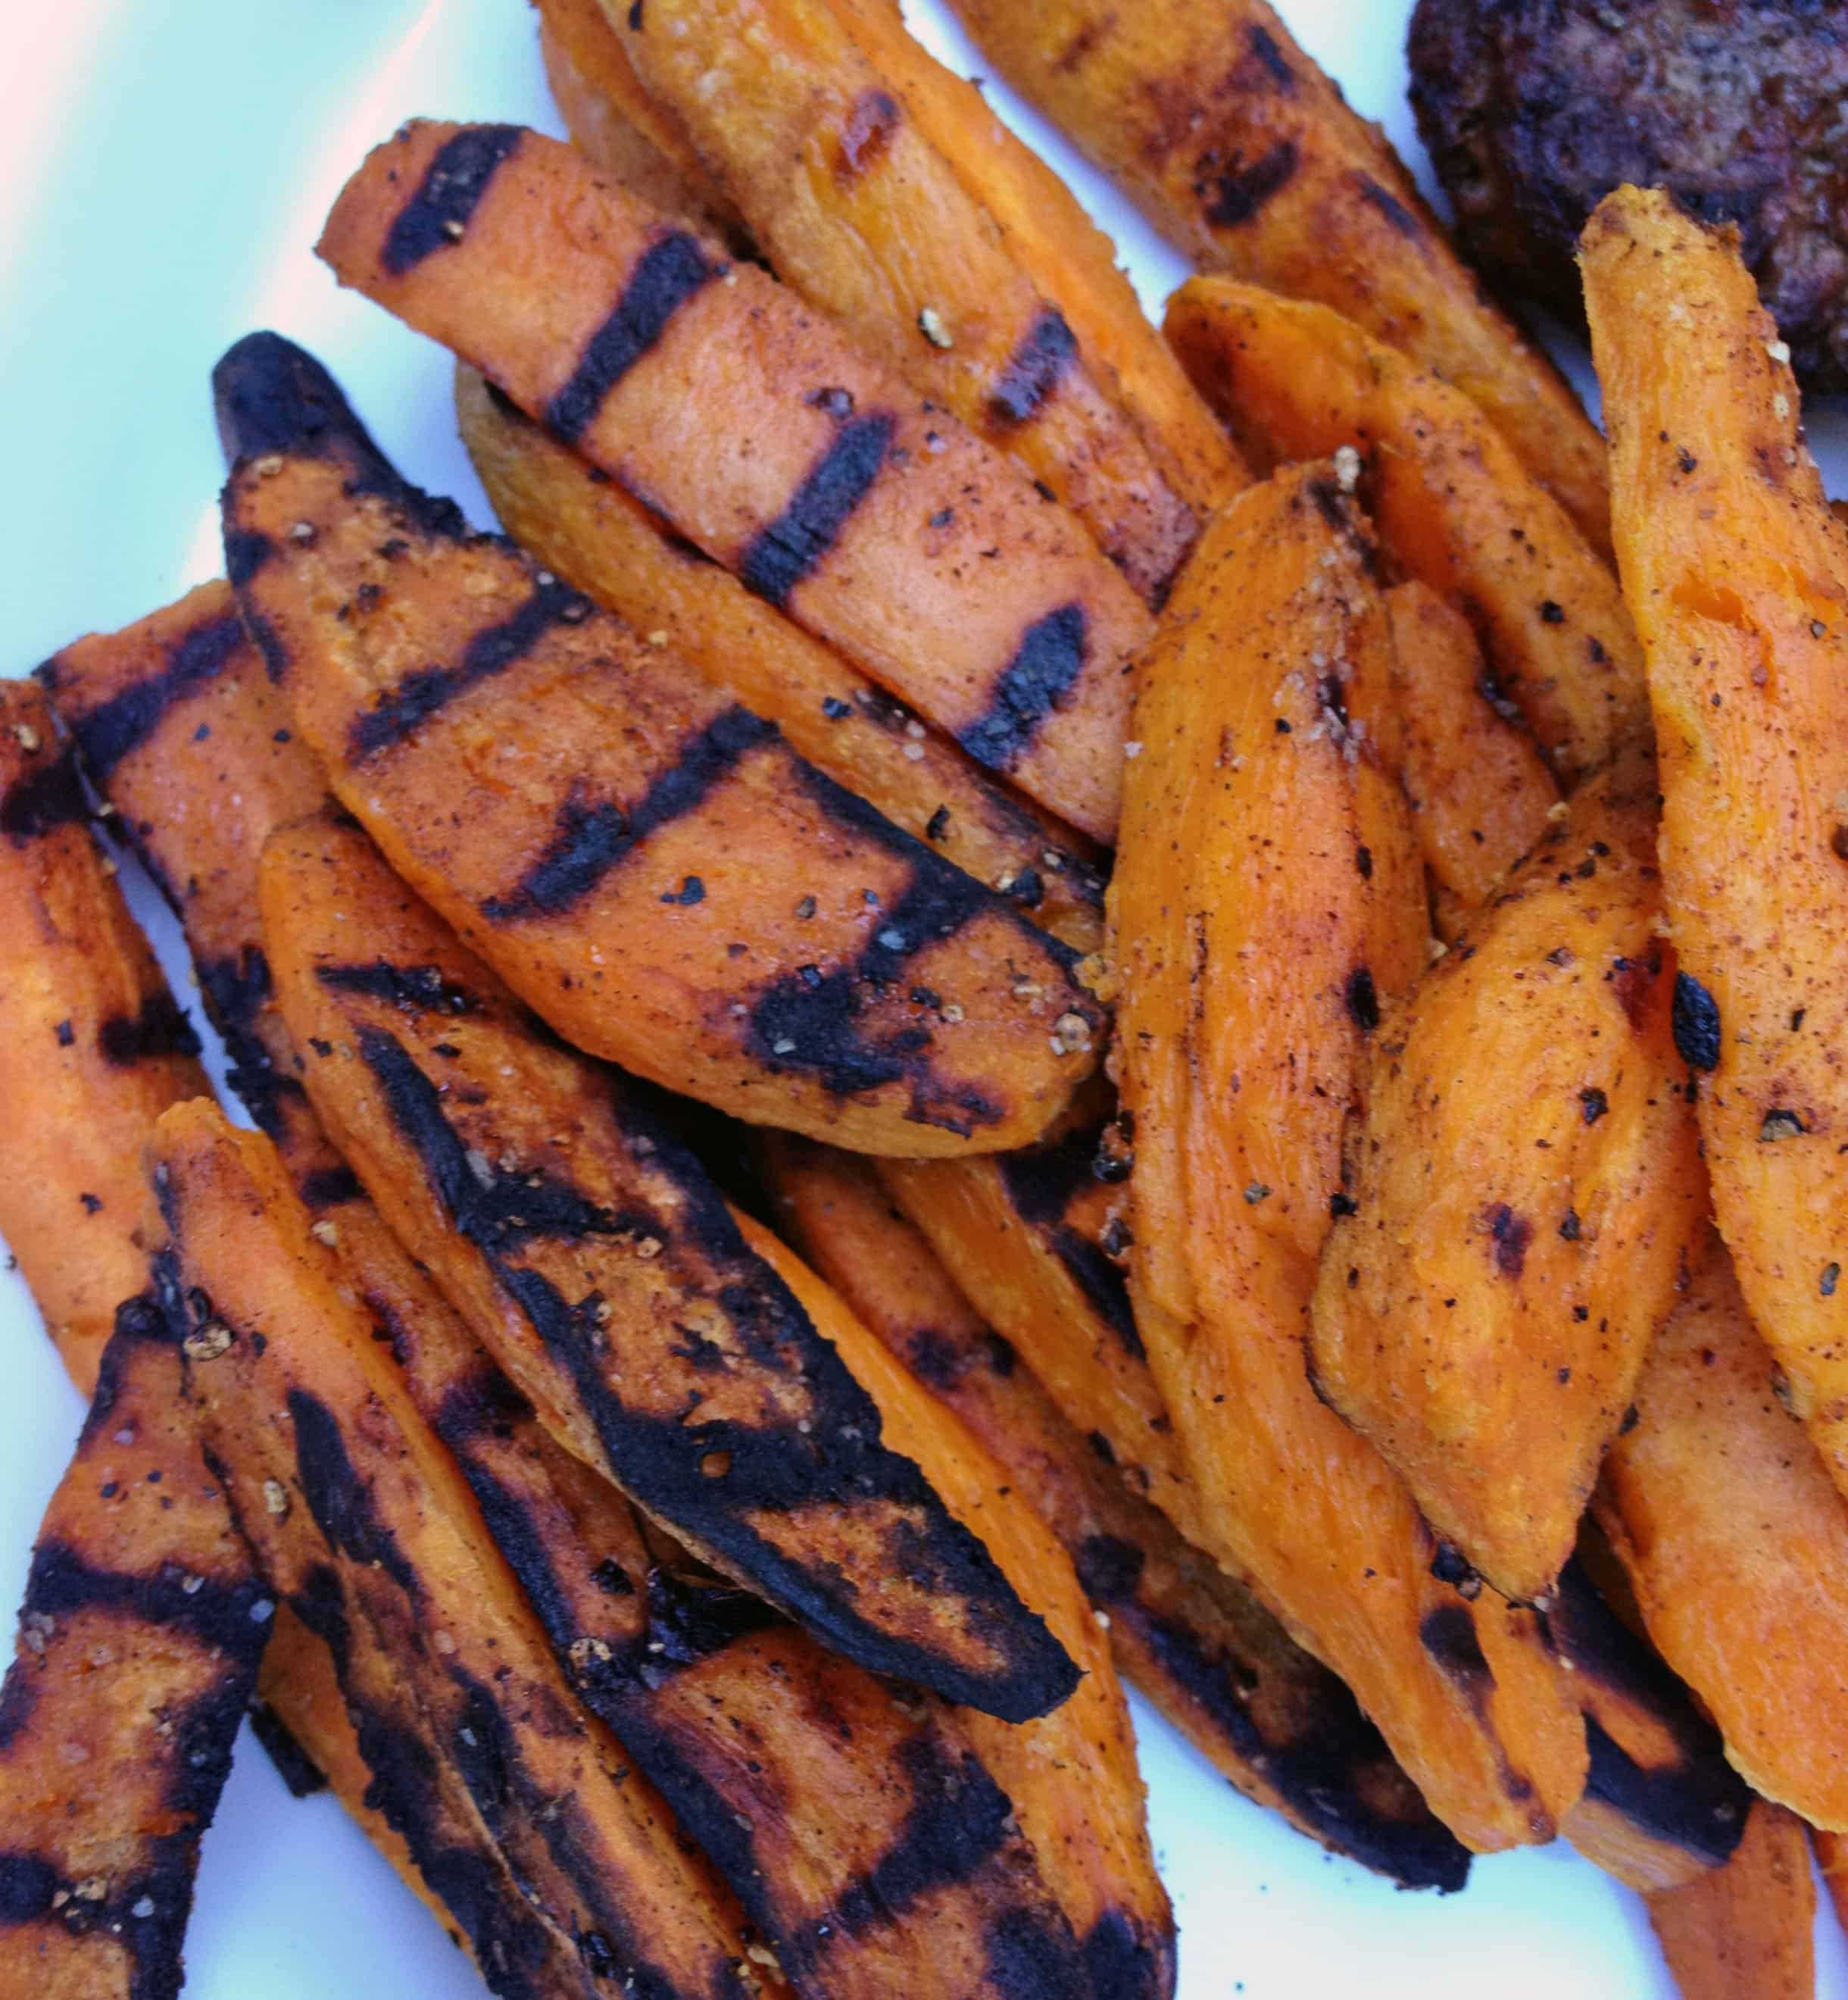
1237 194
157 1028
959 1818
437 215
230 1618
1118 1959
398 715
668 273
329 1187
687 1622
865 136
292 1764
1448 1635
1040 1184
1047 662
27 1885
1031 1956
1271 59
784 551
414 989
245 553
1034 371
1401 218
47 796
117 727
237 993
591 839
339 1500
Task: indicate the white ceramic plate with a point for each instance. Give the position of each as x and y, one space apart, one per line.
164 170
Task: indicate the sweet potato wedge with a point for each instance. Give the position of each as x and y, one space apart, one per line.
1065 254
145 1618
1243 154
1253 947
1737 575
1479 790
586 529
1023 1235
1736 1544
1747 1928
1501 1264
1071 1774
1455 506
646 862
1198 1645
576 1264
761 435
92 1047
1662 1805
361 1516
859 213
612 119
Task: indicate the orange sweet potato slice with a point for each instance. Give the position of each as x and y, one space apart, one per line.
1747 1927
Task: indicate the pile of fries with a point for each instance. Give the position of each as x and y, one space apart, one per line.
1010 999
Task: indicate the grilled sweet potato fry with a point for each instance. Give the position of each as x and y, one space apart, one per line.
1523 1189
1067 256
862 215
145 1618
1243 154
1456 508
1024 1234
646 861
761 435
1662 1805
1072 1775
612 118
601 1270
1479 790
1737 575
1275 1722
585 529
1253 942
1736 1544
361 1517
1747 1928
93 1048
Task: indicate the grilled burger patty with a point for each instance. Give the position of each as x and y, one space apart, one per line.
1533 110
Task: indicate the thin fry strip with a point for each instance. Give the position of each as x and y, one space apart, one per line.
1274 1721
761 435
1243 153
1737 574
1747 1928
1456 508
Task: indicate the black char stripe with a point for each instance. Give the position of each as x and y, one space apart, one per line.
781 554
1050 659
339 1498
1040 1184
237 993
453 183
230 1618
415 989
47 796
1243 189
1033 371
667 274
158 1028
959 1818
115 728
398 715
593 838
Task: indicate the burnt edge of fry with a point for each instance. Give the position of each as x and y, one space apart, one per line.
1697 1801
841 1459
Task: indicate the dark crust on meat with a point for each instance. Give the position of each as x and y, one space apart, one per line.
1534 110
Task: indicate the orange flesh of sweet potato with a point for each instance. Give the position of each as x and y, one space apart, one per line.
1662 1805
612 118
1735 1542
1038 1276
1243 154
1455 507
143 1621
1069 259
93 1048
1747 1928
1252 952
1738 576
1479 790
363 1519
1274 1721
586 529
648 862
588 1253
1524 1189
828 1778
1072 1775
761 435
860 213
